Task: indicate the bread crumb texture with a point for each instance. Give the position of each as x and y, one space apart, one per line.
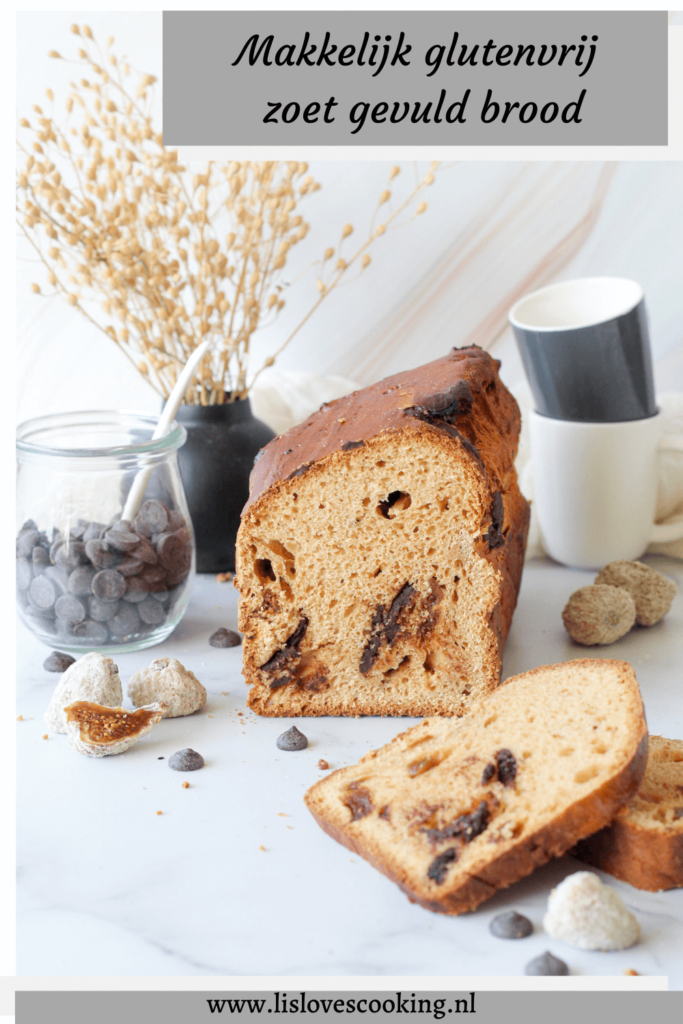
586 913
455 809
380 554
644 843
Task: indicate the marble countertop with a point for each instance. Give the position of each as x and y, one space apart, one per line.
235 877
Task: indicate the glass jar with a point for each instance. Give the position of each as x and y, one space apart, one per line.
87 579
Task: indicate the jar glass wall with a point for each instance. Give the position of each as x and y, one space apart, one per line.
87 579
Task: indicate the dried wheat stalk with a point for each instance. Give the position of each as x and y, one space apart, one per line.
139 246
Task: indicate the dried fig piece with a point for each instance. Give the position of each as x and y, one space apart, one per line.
97 731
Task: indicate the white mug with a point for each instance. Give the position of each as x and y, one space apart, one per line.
595 488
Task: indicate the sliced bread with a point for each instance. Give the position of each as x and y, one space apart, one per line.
455 809
381 549
644 843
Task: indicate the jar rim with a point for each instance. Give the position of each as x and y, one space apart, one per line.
170 442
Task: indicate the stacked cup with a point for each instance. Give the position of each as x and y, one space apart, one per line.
596 429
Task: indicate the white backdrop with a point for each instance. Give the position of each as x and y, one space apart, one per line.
441 280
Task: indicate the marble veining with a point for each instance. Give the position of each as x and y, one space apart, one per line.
108 887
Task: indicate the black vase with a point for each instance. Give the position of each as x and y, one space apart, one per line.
215 463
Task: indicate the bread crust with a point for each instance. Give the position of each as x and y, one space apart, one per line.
482 433
580 819
646 858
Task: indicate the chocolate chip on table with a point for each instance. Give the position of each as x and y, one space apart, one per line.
511 925
26 541
125 621
93 632
187 760
24 574
58 662
548 964
152 518
101 555
136 590
70 609
292 740
151 612
80 581
102 611
225 638
108 585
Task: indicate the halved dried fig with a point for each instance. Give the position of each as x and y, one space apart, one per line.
97 731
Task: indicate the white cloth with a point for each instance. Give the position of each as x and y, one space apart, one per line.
283 398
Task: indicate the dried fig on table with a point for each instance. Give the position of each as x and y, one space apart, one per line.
97 731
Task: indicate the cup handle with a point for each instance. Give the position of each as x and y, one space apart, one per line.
662 533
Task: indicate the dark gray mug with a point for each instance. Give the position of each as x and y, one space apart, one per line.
586 350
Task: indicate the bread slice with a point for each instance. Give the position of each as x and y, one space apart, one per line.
453 810
380 554
644 843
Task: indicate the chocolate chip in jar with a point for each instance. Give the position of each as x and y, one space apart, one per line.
102 611
137 590
94 531
80 581
151 612
101 555
24 574
93 633
40 559
130 566
121 538
43 592
152 518
71 609
68 555
108 585
125 622
26 541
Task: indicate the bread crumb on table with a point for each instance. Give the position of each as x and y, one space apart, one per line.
20 718
262 848
631 973
186 785
223 577
45 736
159 812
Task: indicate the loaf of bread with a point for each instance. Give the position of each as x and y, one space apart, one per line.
644 843
381 549
455 809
